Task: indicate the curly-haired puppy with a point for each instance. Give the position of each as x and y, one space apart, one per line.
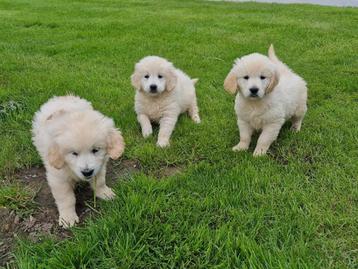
162 94
75 143
270 93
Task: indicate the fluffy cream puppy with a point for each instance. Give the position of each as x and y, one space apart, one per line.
162 94
75 143
269 94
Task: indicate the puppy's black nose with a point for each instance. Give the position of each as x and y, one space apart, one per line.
87 172
254 90
153 88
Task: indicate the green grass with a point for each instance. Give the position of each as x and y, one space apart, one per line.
296 208
16 197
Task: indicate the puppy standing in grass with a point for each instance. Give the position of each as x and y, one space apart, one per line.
269 94
162 94
75 143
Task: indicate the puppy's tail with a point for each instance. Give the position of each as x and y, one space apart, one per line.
283 68
272 54
194 80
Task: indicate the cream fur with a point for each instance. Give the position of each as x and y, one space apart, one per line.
282 96
175 95
71 138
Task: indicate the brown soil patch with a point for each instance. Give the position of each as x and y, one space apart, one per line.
44 220
168 171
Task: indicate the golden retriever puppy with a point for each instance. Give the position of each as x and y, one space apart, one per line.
162 94
269 94
75 143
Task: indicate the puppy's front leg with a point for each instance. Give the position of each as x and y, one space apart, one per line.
167 124
62 191
100 188
145 125
245 136
268 135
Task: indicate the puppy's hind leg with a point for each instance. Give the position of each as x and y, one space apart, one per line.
297 120
296 123
194 111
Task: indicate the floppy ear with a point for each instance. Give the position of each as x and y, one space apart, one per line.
171 79
55 157
135 80
273 82
115 144
230 83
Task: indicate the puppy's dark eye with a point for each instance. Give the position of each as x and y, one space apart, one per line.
262 77
94 151
246 77
74 153
146 76
160 76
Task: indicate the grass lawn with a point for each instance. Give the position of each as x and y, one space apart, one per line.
295 208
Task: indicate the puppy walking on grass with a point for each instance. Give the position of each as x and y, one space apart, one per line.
162 94
270 93
75 143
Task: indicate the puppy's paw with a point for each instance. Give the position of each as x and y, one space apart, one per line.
68 219
105 193
259 152
162 143
147 132
240 147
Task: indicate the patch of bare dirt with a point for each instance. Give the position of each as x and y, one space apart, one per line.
168 171
44 219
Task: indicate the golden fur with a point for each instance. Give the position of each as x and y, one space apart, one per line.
162 94
269 93
75 143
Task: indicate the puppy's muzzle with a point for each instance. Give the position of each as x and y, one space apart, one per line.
254 91
153 88
87 173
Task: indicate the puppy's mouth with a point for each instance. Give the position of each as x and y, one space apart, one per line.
254 96
86 179
152 94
